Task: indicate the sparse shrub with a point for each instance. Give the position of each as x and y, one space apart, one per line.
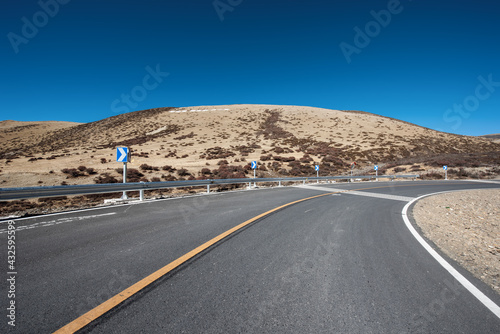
170 178
91 171
205 171
103 160
182 172
399 169
133 175
168 168
226 171
105 178
432 176
155 179
72 172
147 167
217 153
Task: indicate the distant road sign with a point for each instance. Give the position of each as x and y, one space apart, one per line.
254 164
122 154
445 167
316 168
376 167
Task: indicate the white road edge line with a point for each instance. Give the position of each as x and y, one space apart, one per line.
464 281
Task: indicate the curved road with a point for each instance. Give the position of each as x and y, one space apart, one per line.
343 262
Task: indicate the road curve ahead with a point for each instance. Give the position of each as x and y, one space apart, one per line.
342 261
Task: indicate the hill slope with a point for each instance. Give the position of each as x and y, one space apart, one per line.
190 142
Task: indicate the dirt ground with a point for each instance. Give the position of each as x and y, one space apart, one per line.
466 226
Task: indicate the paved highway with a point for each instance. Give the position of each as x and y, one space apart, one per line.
341 262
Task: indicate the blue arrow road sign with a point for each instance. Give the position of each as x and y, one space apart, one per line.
376 167
122 154
254 164
445 167
316 168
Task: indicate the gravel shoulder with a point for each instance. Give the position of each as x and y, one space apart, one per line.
465 225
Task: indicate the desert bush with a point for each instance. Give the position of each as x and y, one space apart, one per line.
399 169
229 172
155 179
105 178
72 172
205 171
216 153
146 167
133 175
432 176
183 172
270 128
103 160
306 158
169 177
91 171
283 159
168 168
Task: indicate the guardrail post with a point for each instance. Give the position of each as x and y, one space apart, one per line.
279 183
208 189
141 194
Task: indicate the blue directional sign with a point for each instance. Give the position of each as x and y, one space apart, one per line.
254 164
445 167
316 168
376 167
122 154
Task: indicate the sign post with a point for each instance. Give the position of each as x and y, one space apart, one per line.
316 168
254 167
445 168
352 167
123 155
376 172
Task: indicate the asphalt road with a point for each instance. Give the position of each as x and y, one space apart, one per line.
340 263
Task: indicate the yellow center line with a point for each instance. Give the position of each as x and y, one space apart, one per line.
116 300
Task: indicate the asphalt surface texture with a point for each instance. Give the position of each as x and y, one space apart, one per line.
340 263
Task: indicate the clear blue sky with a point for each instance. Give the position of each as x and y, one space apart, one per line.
78 61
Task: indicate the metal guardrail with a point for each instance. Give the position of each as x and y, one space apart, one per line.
7 194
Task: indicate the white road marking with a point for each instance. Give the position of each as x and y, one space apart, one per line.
464 281
360 193
57 222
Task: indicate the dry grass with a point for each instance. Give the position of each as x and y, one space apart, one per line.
286 140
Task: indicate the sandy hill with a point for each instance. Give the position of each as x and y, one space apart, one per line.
169 143
494 137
